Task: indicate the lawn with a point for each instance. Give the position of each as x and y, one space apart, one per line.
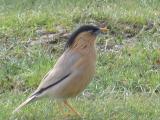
109 106
126 85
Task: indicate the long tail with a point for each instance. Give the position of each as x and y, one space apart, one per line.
30 99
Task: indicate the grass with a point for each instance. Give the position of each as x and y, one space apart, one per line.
126 84
23 17
109 106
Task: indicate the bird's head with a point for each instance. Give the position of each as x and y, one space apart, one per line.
84 33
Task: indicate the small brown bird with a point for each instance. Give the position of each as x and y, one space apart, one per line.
73 70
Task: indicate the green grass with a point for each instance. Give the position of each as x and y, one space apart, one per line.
112 106
23 17
126 85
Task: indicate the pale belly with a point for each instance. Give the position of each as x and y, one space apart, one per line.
73 85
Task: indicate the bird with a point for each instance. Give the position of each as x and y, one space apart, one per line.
73 70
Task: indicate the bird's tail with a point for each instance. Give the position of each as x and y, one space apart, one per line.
30 99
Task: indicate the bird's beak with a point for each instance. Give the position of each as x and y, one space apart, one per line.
103 30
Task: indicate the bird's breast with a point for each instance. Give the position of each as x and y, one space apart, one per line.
84 70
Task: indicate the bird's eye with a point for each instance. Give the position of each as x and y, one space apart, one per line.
92 31
95 32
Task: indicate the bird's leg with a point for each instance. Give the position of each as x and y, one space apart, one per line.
62 110
71 108
60 106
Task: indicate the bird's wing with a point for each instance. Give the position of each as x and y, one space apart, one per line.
61 70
